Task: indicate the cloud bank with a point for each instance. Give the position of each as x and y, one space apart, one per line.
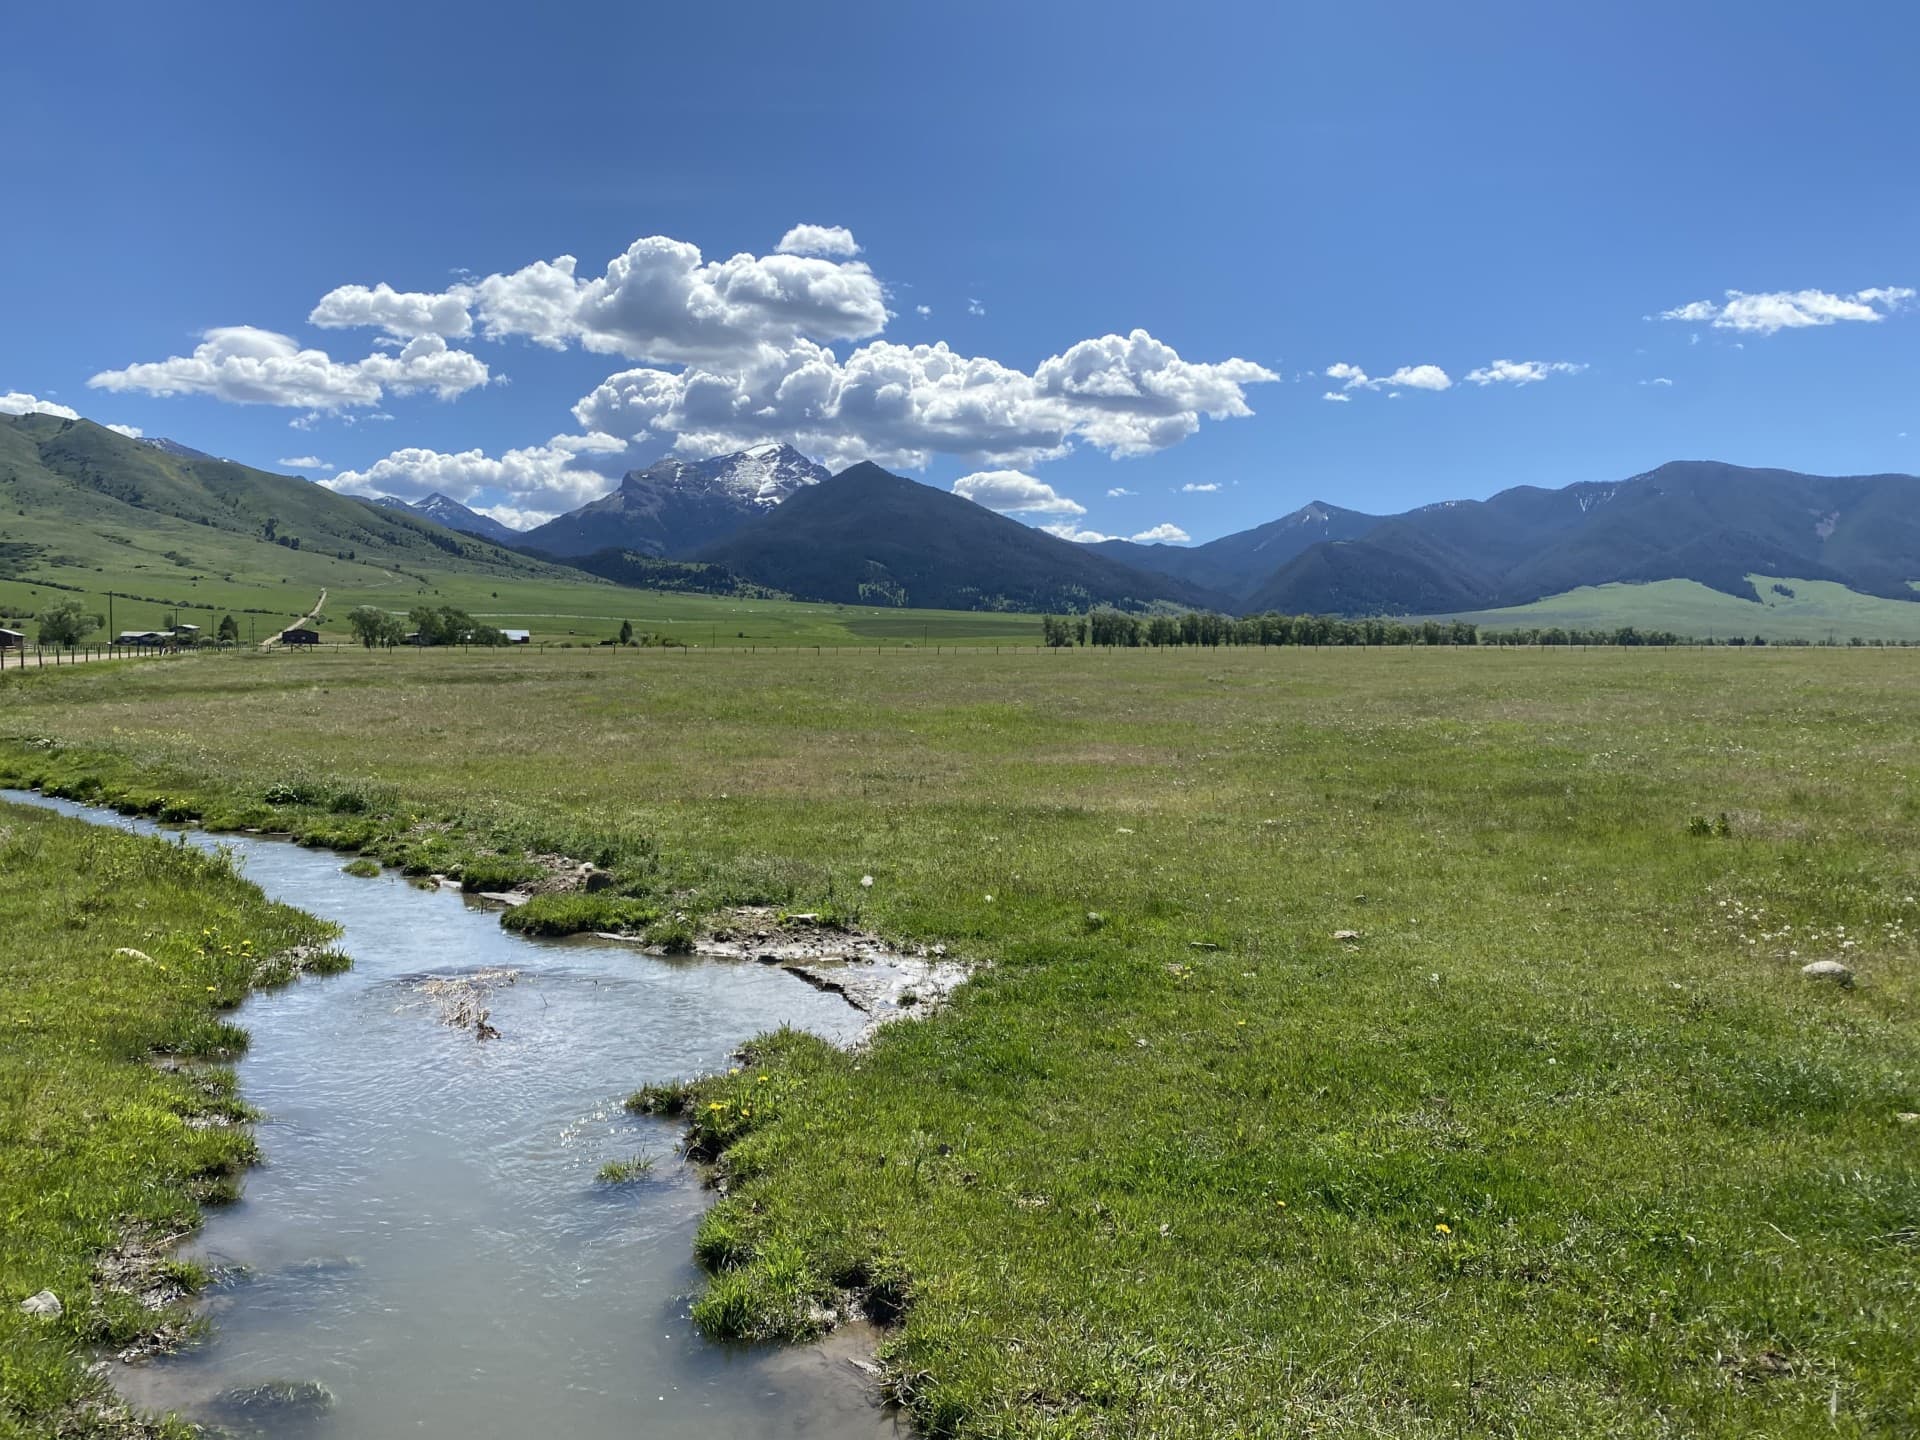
1772 311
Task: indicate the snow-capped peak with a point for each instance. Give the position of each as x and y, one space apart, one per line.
764 475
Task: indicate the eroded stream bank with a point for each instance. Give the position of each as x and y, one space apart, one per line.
427 1238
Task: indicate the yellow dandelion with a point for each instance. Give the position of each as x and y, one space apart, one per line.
1443 1229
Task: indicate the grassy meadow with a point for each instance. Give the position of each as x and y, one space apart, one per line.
1557 1141
112 949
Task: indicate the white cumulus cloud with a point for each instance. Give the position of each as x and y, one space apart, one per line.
1411 377
818 240
1011 492
304 462
658 300
1162 534
18 402
1657 380
248 366
727 354
1419 377
1117 491
1521 372
1206 488
1068 530
132 432
1769 312
402 313
547 478
513 517
901 404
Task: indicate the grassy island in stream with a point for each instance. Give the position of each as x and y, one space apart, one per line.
115 950
1366 1042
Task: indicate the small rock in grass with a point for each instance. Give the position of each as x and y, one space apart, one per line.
1347 935
1829 970
46 1305
1908 1117
129 953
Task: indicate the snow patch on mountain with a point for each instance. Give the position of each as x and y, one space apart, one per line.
762 476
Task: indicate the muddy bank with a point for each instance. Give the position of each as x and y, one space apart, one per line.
883 982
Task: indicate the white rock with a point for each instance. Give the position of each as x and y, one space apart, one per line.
1347 935
46 1304
1828 970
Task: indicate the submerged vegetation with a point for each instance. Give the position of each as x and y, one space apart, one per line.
115 950
621 1172
1366 1041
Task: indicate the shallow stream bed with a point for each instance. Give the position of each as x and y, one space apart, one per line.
426 1237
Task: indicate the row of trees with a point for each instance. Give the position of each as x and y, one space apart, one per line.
1200 627
1203 627
444 625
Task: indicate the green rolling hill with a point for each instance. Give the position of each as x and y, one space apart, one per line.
1799 609
88 512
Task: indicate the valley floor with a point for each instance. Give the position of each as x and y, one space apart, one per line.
1403 1043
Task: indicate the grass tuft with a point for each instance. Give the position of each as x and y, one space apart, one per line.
622 1172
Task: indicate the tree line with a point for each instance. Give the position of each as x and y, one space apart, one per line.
431 625
1203 627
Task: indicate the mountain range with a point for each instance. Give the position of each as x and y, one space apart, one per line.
88 502
445 510
775 519
1703 521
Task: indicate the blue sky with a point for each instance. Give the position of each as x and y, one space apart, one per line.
1261 190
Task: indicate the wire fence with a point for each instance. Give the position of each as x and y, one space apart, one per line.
21 657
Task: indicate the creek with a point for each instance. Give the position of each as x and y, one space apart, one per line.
426 1236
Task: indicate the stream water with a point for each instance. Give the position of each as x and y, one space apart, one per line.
426 1237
